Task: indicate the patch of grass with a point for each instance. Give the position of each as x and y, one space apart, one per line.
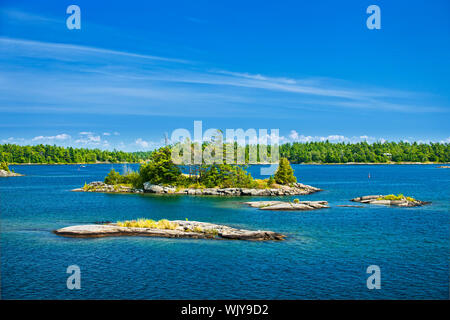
396 197
148 223
213 232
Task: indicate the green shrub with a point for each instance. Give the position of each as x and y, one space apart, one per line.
133 178
4 166
160 169
285 173
270 181
113 177
394 197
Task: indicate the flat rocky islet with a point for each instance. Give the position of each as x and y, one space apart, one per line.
379 200
288 206
184 229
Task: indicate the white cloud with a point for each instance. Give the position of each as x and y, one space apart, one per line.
13 140
59 137
171 88
65 47
294 136
89 139
142 143
106 133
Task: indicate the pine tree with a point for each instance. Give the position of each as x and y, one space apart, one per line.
285 173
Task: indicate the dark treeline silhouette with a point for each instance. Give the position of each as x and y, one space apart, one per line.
11 153
310 152
327 152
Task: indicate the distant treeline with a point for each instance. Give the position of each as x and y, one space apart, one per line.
327 152
311 152
11 153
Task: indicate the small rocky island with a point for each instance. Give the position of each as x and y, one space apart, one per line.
288 206
6 172
161 176
293 189
167 229
391 200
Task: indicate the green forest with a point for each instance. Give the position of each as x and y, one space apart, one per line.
11 153
311 152
327 152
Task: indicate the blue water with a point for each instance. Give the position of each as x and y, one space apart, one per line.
325 255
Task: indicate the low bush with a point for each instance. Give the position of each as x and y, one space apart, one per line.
148 223
4 166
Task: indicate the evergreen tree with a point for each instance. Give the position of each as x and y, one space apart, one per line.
285 173
160 169
113 177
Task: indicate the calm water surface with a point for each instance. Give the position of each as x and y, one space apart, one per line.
325 255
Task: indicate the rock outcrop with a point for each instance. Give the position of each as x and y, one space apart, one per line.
294 189
99 186
288 206
154 188
4 173
184 229
378 199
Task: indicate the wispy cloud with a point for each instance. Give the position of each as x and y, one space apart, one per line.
87 79
294 136
49 139
70 49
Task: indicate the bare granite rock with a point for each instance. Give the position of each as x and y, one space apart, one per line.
154 188
184 229
378 199
288 206
4 173
99 186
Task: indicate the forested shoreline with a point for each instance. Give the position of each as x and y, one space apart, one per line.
311 152
48 154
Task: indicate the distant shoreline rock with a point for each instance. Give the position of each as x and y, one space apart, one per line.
4 174
288 206
294 189
376 199
185 229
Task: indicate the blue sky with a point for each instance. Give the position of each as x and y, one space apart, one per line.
139 69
